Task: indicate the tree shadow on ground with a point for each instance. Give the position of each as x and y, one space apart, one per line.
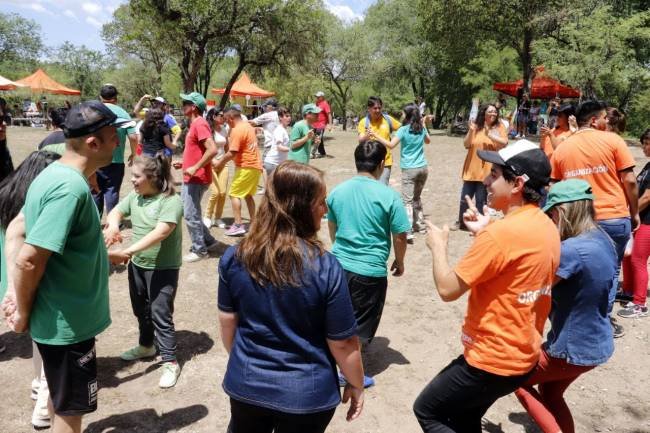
189 344
17 346
148 420
378 356
523 419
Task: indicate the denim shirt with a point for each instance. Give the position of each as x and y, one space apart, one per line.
580 329
280 359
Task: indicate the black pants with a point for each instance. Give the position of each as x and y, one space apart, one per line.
458 397
152 299
109 179
368 295
475 190
321 147
246 418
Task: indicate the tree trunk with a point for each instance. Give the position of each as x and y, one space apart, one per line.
527 59
224 98
437 121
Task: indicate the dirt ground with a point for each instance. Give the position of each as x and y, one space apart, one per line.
418 336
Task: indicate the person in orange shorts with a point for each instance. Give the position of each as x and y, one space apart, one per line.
242 148
603 159
508 271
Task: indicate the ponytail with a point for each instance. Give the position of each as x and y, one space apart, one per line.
158 171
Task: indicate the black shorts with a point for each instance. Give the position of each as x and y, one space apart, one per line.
71 373
368 295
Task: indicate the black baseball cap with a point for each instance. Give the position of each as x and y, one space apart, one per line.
525 159
272 102
91 116
108 91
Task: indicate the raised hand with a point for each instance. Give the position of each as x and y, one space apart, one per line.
436 235
474 220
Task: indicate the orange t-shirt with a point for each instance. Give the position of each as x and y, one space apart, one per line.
243 140
475 169
509 269
597 157
546 145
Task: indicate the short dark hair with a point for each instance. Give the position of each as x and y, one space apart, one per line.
587 110
530 194
58 116
369 155
374 100
283 111
108 91
616 119
645 135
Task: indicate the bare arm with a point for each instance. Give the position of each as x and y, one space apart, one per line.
332 229
399 245
228 325
133 144
138 105
301 141
450 287
393 143
347 354
30 266
168 142
229 155
631 193
210 152
469 137
157 235
14 240
644 200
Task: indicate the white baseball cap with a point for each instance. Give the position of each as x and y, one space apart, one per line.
319 94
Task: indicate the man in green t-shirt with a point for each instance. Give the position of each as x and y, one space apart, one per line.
61 273
303 136
363 215
109 178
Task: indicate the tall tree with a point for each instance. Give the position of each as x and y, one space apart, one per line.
20 43
84 66
275 34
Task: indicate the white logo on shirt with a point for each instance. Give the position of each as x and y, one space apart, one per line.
533 295
599 169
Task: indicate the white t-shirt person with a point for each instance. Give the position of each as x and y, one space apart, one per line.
275 155
269 123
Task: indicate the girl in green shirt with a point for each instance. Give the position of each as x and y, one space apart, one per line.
154 259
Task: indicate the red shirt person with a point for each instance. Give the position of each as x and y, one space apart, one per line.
324 119
197 175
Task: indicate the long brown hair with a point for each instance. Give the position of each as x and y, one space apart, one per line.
283 232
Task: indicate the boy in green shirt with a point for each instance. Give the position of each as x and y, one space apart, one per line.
363 215
61 274
303 136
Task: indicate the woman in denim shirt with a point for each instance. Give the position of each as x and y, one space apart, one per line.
581 335
286 316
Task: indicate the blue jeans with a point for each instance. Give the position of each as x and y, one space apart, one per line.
475 190
109 179
619 230
191 194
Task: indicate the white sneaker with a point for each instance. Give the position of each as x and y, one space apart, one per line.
170 373
207 222
219 223
36 384
193 257
40 415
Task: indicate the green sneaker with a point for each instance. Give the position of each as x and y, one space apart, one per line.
170 373
138 352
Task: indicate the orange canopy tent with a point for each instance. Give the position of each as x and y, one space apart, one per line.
39 81
542 87
243 87
7 84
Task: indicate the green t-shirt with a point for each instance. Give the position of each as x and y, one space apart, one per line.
71 302
58 148
3 266
301 154
366 212
146 213
122 133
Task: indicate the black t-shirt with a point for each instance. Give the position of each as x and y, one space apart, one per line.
153 142
54 138
643 180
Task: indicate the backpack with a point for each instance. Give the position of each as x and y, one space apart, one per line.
386 118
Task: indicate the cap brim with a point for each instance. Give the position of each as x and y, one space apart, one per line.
123 123
491 156
186 98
